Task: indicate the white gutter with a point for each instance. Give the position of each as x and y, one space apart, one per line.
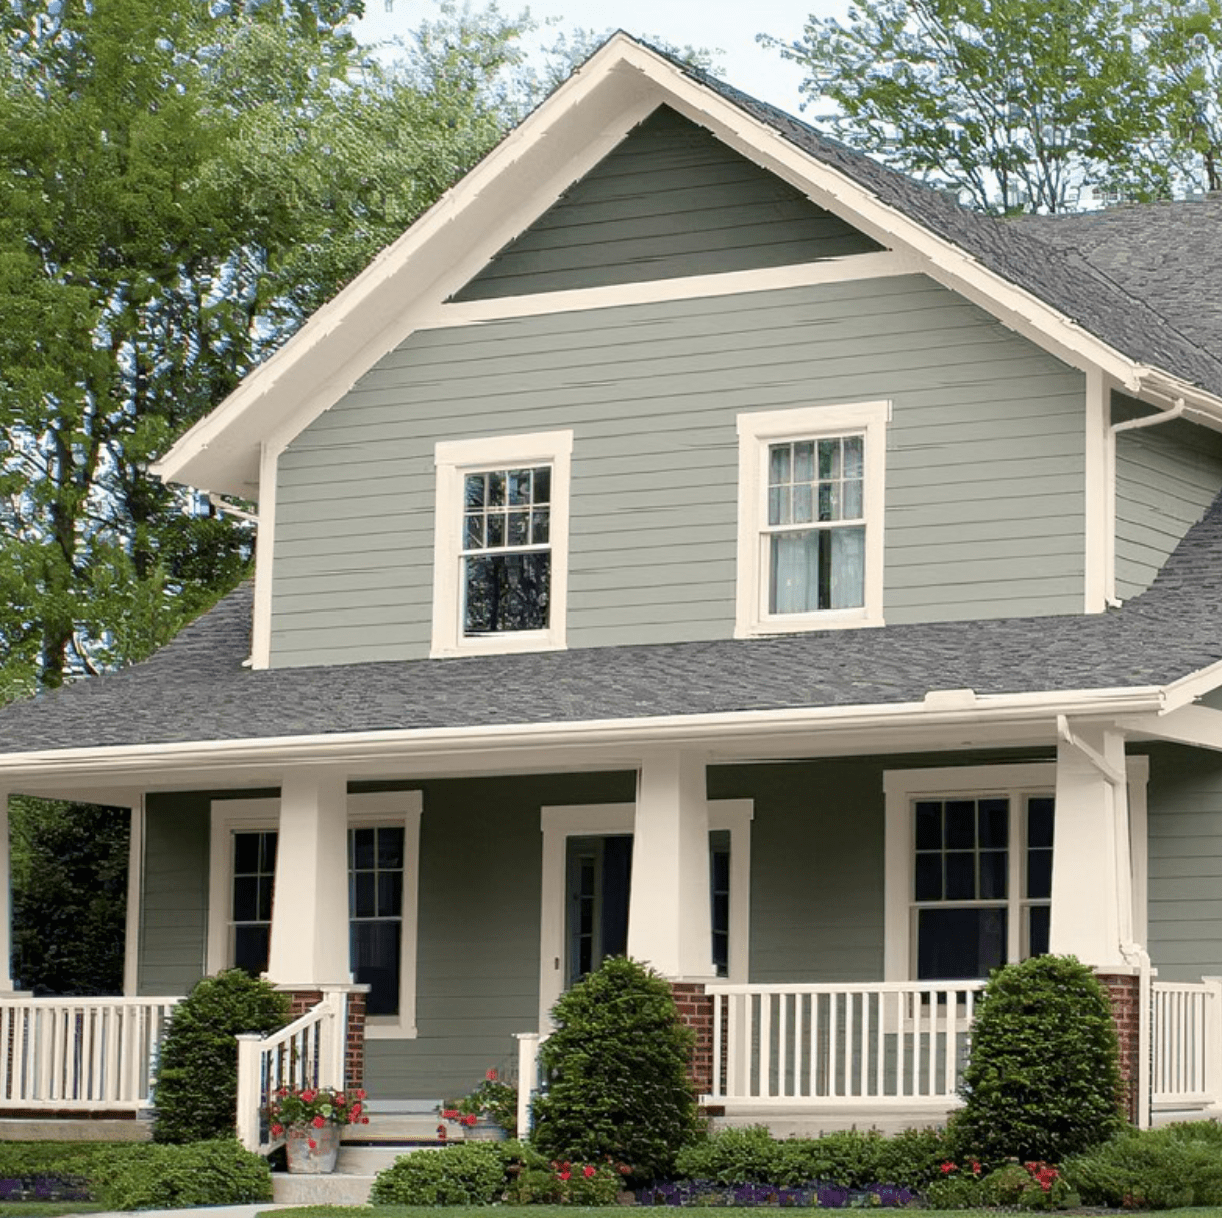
1151 420
961 707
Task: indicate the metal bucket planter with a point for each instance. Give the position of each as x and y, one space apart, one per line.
484 1131
310 1151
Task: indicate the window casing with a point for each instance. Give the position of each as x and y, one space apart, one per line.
500 565
383 879
810 518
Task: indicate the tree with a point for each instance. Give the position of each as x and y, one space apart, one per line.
181 183
1015 105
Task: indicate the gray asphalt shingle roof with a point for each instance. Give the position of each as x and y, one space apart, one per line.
196 688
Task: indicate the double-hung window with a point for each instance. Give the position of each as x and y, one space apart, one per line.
500 569
811 518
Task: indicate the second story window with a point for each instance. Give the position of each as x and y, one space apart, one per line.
500 569
810 526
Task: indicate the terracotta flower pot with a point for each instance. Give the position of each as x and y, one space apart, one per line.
312 1151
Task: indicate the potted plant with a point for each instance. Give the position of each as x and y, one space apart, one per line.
310 1119
489 1112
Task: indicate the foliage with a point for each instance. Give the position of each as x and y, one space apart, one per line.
1012 104
1043 1078
49 1170
468 1173
316 1107
849 1158
1179 1165
69 896
561 1183
171 1177
616 1066
197 1076
493 1098
181 184
1014 1185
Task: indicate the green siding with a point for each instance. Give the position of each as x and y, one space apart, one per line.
985 485
1185 862
669 201
1166 477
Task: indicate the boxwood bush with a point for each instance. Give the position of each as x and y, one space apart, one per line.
150 1176
466 1173
1043 1079
197 1073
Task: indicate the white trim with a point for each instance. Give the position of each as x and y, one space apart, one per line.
251 815
1187 690
135 905
265 545
756 431
559 822
1196 725
1137 768
560 141
1099 494
454 458
850 268
501 743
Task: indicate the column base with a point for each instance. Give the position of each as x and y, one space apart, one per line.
1124 990
696 1012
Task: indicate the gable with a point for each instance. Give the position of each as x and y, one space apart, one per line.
669 201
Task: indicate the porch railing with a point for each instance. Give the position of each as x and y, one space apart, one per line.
1186 1027
80 1053
839 1045
309 1052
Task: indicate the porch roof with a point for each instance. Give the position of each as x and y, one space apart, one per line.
196 688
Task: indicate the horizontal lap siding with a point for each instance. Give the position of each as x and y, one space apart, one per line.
669 201
1166 477
1185 862
984 462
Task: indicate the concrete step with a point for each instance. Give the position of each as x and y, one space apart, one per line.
401 1127
74 1129
369 1160
333 1189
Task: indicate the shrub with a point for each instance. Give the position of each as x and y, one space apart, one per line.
732 1156
171 1177
560 1183
470 1173
617 1068
1043 1080
197 1077
1155 1169
912 1157
52 1171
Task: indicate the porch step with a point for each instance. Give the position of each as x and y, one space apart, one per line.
369 1160
334 1189
402 1127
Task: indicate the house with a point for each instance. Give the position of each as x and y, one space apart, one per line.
695 539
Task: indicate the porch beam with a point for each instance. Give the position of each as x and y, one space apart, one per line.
669 920
309 931
1200 726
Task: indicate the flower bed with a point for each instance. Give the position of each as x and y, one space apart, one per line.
823 1195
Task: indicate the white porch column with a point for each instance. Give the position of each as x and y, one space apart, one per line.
309 931
6 901
669 920
1092 879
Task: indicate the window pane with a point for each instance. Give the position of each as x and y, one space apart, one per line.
928 880
245 853
803 505
265 898
829 459
364 850
390 846
959 944
496 529
819 569
374 956
994 822
506 592
848 582
474 491
250 948
994 874
779 505
1039 821
829 501
960 824
543 484
960 875
390 894
474 539
804 461
364 896
496 488
1039 873
928 825
778 464
853 501
267 852
246 898
854 456
539 527
519 529
1038 917
519 486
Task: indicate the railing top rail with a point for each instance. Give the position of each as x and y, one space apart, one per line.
87 1000
316 1014
856 987
1180 987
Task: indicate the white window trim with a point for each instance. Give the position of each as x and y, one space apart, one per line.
756 431
901 787
561 822
231 816
454 458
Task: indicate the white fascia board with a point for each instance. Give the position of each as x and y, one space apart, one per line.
1188 689
1200 726
700 730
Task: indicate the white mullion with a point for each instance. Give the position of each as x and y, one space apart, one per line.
535 547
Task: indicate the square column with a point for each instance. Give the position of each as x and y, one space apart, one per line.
1092 880
6 901
669 917
309 932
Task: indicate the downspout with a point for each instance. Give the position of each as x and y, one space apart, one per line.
1133 953
1151 420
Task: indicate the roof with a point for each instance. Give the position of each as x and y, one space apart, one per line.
196 688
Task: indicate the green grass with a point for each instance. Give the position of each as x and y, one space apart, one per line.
610 1211
47 1209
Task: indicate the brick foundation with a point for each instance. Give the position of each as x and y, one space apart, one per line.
1125 993
696 1012
300 1001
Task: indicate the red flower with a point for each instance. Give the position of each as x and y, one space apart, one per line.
441 1130
587 1171
564 1175
308 1096
624 1169
318 1122
947 1168
491 1075
356 1111
339 1099
277 1130
469 1119
975 1168
312 1144
360 1093
365 1121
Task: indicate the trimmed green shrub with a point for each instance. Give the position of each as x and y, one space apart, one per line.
54 1170
583 1184
1043 1080
616 1064
1155 1169
467 1173
172 1177
1013 1186
197 1075
749 1155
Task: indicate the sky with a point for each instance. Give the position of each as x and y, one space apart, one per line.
727 27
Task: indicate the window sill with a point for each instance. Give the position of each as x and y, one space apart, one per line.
387 1027
509 643
805 623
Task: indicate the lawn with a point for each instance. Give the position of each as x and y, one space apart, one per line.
621 1211
47 1209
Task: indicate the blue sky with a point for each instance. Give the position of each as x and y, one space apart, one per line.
729 26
